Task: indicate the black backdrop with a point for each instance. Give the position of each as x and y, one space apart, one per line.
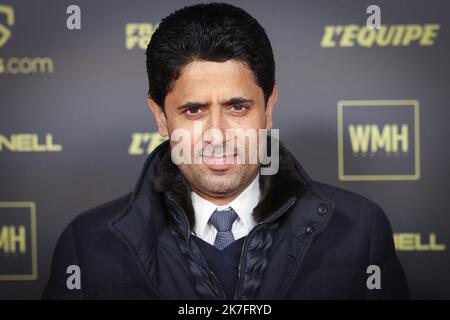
364 110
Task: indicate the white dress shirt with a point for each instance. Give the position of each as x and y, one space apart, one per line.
243 205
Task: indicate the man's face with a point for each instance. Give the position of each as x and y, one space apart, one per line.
219 97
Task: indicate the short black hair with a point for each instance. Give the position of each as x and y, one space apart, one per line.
210 32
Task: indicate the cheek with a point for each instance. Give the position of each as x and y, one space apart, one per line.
177 123
256 121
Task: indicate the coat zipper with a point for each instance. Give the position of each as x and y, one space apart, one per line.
216 281
246 241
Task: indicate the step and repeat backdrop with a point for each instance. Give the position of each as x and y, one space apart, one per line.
365 109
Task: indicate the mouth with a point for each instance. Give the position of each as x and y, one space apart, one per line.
222 162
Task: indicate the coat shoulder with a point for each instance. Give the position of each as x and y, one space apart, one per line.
366 218
352 204
98 217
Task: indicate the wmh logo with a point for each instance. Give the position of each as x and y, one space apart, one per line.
18 247
378 140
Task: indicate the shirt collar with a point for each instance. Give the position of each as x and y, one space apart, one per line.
243 205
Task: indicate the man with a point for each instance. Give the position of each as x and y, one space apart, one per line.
219 228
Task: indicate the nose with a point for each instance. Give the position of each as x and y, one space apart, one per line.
215 132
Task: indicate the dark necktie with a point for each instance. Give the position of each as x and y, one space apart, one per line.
222 221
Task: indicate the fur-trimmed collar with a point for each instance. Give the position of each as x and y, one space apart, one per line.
275 189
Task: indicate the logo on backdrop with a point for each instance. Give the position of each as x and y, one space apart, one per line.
5 32
418 242
403 35
28 142
18 247
138 35
144 142
378 140
19 65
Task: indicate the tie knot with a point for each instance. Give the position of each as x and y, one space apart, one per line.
223 220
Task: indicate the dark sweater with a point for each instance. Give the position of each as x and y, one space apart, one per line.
223 263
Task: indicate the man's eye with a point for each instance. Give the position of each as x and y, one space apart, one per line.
239 107
192 110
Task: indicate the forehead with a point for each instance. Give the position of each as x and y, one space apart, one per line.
208 80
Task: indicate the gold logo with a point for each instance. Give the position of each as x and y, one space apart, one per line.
28 142
402 35
5 33
19 65
416 242
378 140
144 142
18 246
138 35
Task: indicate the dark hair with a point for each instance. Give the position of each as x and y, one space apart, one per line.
211 32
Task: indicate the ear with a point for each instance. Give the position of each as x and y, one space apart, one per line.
270 105
160 117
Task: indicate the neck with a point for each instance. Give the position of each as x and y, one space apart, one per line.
221 199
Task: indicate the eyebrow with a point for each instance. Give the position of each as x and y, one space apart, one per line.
229 102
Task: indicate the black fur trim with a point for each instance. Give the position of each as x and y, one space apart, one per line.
275 189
